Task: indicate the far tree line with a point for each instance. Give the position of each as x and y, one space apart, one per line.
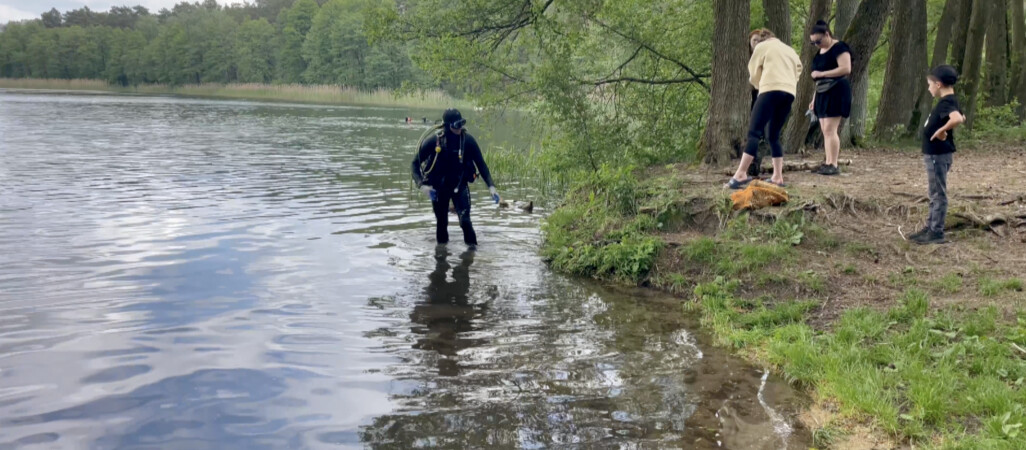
271 41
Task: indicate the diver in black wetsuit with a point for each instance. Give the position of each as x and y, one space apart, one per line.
442 169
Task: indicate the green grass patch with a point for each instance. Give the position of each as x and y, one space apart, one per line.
748 248
990 287
599 233
729 258
813 281
861 250
904 279
950 284
923 376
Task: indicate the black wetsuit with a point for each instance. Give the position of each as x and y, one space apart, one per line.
449 178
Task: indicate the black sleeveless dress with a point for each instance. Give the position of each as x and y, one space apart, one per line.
837 101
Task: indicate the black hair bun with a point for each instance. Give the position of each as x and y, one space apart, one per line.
821 22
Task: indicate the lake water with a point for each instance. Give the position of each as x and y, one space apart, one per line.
193 274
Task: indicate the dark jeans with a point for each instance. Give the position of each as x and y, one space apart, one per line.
937 167
461 201
768 117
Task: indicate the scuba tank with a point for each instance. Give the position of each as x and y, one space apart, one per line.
439 132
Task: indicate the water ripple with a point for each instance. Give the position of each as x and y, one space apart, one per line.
183 273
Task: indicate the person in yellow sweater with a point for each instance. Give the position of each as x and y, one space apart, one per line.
774 70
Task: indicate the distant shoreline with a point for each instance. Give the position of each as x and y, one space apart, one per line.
310 94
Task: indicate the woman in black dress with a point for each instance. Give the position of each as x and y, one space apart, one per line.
830 69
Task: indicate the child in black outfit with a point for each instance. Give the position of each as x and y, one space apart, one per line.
938 148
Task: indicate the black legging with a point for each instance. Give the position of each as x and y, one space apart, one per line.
770 108
461 201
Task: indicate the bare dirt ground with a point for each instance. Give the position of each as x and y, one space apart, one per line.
879 199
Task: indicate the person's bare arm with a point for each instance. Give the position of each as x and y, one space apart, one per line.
955 119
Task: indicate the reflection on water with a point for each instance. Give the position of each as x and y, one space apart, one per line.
202 274
445 319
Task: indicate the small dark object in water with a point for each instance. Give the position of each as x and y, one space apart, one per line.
523 206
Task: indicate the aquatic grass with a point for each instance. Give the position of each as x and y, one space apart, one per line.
524 171
53 83
299 93
918 374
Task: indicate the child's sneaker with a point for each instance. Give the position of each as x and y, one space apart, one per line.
931 237
918 234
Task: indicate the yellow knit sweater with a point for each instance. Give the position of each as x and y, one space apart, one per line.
774 66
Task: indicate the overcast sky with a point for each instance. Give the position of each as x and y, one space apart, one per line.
31 9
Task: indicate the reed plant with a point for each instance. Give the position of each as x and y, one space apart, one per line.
299 93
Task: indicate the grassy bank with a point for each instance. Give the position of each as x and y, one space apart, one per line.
912 345
316 94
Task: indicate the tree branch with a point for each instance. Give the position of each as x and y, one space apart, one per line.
648 81
624 64
652 50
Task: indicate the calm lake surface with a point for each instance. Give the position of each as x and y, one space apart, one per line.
196 274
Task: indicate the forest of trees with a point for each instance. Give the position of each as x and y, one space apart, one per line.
643 82
624 82
266 42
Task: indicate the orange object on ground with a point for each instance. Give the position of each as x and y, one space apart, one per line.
759 194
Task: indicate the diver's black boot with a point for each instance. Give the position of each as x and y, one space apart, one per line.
469 237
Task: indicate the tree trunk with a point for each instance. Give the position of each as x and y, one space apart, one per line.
960 33
844 14
940 56
842 18
1018 81
973 59
997 54
906 66
725 128
853 131
861 37
947 22
778 18
793 137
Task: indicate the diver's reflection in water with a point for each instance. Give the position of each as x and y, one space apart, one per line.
447 314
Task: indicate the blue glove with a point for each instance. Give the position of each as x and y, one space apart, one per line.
495 194
430 191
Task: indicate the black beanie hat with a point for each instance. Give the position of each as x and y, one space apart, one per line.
946 74
451 115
